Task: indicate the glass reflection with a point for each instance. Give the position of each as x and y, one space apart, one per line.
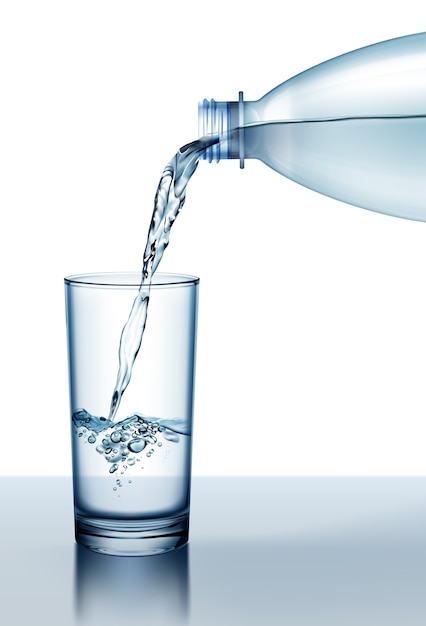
152 587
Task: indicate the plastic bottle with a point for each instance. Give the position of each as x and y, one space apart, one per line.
352 128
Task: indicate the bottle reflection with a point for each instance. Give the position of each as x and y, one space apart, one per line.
155 588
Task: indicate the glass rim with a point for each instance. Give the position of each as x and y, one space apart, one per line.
130 280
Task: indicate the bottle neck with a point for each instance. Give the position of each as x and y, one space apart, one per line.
225 120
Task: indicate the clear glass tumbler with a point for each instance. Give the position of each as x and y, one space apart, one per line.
132 473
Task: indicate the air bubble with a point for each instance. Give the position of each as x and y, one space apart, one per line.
159 444
91 438
80 434
115 437
171 436
113 468
136 445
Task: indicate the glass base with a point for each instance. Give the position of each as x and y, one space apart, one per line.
132 538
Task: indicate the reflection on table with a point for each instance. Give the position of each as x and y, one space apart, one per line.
281 551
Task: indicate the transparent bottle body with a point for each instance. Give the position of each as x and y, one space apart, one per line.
352 128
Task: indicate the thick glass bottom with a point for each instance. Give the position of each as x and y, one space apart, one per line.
132 538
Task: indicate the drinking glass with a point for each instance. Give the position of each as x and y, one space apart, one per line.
132 472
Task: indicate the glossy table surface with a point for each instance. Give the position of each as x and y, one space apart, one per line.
284 551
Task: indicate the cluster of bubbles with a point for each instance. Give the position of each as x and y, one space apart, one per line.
122 443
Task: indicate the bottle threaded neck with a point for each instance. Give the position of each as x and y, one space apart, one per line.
224 120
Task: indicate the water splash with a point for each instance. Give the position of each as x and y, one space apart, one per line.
121 443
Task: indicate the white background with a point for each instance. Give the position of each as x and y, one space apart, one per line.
312 339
